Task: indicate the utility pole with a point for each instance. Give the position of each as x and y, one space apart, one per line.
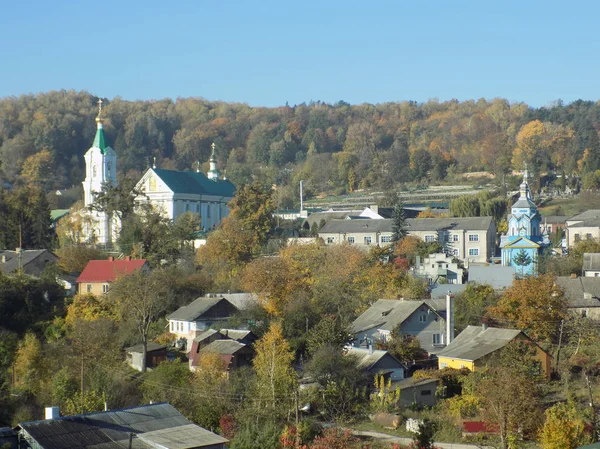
82 373
562 322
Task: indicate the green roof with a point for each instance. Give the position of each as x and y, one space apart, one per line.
99 141
195 183
56 214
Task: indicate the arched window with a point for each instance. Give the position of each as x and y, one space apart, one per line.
94 170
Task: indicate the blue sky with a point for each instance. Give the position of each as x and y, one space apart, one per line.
267 52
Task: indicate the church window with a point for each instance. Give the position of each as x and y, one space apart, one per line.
187 207
94 170
108 170
473 251
208 207
152 184
473 237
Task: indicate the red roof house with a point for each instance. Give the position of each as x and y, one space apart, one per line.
97 275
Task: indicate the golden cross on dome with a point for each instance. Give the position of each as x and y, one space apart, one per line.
99 107
213 146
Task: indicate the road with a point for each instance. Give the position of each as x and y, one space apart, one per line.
392 439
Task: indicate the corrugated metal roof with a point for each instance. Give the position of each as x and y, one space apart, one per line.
386 314
412 224
591 261
224 347
580 291
196 309
588 214
476 342
150 346
13 259
497 276
109 270
112 429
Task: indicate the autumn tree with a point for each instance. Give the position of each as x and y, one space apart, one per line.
37 170
73 259
253 207
276 379
470 305
139 297
29 365
534 304
563 428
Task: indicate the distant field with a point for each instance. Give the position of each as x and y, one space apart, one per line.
571 206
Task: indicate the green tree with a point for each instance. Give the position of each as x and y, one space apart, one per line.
522 259
139 298
398 223
470 305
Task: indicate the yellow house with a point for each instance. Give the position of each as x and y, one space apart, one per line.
476 345
98 275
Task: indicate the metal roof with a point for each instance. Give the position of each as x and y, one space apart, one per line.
591 261
412 224
109 270
196 309
476 342
589 223
13 259
151 346
366 358
223 347
499 277
580 291
386 314
366 225
112 430
588 214
195 183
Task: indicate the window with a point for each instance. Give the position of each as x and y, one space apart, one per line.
329 240
588 236
455 237
367 240
172 326
422 317
89 288
445 237
473 251
105 288
462 366
351 240
430 238
386 239
426 393
577 237
443 364
473 237
187 207
455 252
208 210
438 339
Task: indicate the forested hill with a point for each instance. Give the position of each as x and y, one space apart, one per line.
332 147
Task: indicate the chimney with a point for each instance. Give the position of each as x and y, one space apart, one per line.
484 326
370 343
127 257
449 318
3 258
52 413
573 275
111 258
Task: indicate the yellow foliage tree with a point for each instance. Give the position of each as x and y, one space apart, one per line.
89 308
563 428
37 169
29 365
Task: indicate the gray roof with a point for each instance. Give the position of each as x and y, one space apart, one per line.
316 217
386 314
204 335
366 225
580 291
498 276
196 309
27 255
413 382
591 261
412 224
150 424
151 346
366 358
524 202
476 342
223 347
589 223
442 224
555 219
240 300
588 214
439 292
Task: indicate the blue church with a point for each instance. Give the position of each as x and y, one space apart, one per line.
523 243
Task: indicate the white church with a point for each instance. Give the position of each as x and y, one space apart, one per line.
171 192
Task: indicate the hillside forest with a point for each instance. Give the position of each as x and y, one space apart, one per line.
335 148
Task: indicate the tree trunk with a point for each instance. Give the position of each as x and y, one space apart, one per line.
591 396
144 351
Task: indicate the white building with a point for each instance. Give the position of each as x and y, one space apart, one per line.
177 192
172 192
100 170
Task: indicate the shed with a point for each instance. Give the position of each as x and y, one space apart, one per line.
155 354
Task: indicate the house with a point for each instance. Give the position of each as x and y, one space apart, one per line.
583 226
582 295
144 427
98 275
187 322
470 239
234 353
476 345
416 318
8 438
378 362
155 354
552 223
591 264
30 261
497 276
418 392
177 192
439 268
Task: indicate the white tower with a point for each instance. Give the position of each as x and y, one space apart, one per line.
213 173
100 163
100 170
